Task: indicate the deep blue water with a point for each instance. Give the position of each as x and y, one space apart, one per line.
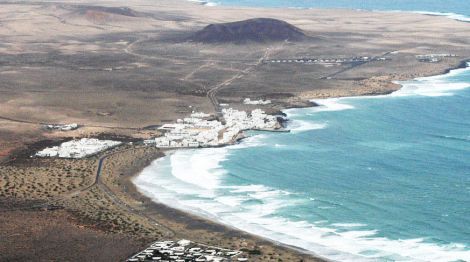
442 6
383 178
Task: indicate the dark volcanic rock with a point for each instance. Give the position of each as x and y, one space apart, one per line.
123 11
253 30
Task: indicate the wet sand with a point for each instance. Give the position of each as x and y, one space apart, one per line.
117 72
187 226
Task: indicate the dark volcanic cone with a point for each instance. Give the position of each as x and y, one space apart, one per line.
254 30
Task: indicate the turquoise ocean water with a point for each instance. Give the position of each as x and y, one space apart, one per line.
383 178
453 8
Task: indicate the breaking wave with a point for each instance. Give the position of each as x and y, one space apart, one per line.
454 16
297 126
433 86
191 181
196 181
203 2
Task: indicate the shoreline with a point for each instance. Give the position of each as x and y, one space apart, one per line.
129 166
166 212
450 15
463 65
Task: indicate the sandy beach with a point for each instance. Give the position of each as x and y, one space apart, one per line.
121 72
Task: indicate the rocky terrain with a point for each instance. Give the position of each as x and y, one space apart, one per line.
124 69
260 30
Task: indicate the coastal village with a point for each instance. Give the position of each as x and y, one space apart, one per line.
185 251
66 127
336 61
98 95
327 61
197 130
200 130
433 58
78 148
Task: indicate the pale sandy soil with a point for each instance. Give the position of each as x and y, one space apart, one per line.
71 62
116 71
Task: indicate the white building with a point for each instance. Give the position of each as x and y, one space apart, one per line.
200 115
68 127
78 148
197 132
248 101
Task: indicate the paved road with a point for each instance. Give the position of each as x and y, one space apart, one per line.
50 202
353 66
104 188
212 93
117 201
20 120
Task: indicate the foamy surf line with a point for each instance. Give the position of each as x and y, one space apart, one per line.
450 15
432 86
253 208
193 181
454 16
202 2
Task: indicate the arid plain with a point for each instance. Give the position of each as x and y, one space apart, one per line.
121 68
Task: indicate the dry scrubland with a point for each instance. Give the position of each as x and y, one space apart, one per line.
31 237
116 68
121 70
66 192
117 175
77 211
44 179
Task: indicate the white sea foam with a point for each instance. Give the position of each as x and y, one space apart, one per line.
331 104
251 141
212 4
297 126
454 16
348 225
199 167
328 104
254 208
193 180
432 86
203 2
247 188
450 15
429 87
438 85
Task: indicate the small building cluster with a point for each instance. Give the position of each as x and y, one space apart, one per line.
433 58
248 101
328 61
199 131
68 127
78 148
185 251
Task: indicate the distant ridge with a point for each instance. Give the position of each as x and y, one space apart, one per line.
122 11
252 30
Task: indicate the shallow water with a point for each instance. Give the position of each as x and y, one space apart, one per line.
451 7
382 178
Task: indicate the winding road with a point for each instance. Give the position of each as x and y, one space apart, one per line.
50 204
118 202
212 93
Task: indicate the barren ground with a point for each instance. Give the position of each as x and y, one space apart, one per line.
117 70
